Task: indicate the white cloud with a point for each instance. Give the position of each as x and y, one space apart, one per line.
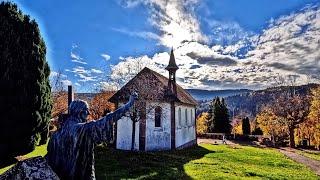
128 68
53 74
66 82
78 61
288 48
140 34
84 75
106 57
74 55
107 86
175 20
80 70
97 71
86 78
227 33
57 76
291 43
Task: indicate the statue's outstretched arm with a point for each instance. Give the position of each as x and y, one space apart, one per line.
117 114
104 124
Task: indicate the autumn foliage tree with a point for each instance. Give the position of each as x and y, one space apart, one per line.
310 129
100 105
59 95
294 110
287 113
236 125
202 124
272 125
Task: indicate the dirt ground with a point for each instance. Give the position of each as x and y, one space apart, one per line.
313 164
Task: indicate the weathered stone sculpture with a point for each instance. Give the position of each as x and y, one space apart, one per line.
70 149
33 168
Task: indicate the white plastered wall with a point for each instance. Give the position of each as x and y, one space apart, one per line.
124 133
185 125
158 138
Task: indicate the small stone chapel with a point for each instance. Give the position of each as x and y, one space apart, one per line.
167 113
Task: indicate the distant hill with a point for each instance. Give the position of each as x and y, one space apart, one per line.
84 96
250 103
200 94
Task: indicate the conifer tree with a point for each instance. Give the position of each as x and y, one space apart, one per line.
209 118
245 126
221 120
25 97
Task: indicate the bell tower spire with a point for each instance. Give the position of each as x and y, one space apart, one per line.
172 68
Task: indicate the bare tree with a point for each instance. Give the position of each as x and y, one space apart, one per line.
139 108
59 94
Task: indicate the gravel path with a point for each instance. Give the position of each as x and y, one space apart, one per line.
313 164
213 141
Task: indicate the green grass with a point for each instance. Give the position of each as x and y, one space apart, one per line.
39 151
309 154
203 162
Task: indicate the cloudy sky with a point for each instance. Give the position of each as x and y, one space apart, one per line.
218 44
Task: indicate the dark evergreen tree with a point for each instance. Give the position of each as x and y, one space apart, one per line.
225 117
25 95
257 131
209 119
221 120
246 126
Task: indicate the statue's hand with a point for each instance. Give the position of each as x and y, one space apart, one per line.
134 95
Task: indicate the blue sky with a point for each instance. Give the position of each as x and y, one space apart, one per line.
87 41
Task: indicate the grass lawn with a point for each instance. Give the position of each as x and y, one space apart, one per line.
309 154
203 162
39 151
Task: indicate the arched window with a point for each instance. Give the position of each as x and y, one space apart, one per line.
179 117
186 116
191 118
157 116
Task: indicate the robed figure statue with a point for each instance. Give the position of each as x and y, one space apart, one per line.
71 147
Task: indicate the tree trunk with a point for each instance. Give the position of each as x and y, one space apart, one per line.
273 140
291 137
133 135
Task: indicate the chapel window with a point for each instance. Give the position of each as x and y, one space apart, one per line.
186 116
157 116
179 117
191 118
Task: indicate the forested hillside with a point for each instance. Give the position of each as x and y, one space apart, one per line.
251 102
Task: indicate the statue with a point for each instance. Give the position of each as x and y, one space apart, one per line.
71 148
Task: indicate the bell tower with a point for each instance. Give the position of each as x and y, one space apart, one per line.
172 68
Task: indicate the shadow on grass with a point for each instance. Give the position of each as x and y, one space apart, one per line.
118 164
248 143
7 162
